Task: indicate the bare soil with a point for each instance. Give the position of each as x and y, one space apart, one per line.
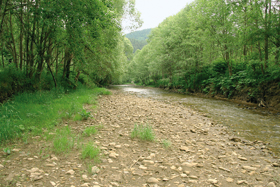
202 153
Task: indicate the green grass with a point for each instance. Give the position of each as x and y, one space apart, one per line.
29 113
143 132
64 141
90 131
90 151
166 143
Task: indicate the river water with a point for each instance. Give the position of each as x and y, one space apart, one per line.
249 124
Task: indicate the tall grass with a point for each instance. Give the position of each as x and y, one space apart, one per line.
31 113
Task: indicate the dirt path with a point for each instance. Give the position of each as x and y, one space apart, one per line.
201 153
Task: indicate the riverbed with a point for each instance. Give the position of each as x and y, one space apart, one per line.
253 125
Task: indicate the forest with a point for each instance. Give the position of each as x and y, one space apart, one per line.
215 47
50 44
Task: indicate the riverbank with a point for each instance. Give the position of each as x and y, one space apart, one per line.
271 106
188 150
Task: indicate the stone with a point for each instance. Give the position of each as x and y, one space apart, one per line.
230 180
52 183
271 184
70 172
10 177
85 177
235 139
152 180
241 182
249 168
184 175
86 185
184 148
95 169
213 181
113 155
114 183
142 167
242 158
224 169
148 161
1 166
275 165
189 164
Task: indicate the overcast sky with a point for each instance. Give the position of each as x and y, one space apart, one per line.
153 12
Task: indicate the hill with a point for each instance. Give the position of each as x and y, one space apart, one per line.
138 38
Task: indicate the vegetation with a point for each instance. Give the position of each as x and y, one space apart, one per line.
229 49
90 151
90 131
166 143
32 113
143 132
51 44
64 141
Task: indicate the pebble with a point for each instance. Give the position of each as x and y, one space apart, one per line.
52 183
1 166
95 169
213 181
271 184
70 172
242 182
152 180
242 158
142 167
230 180
249 168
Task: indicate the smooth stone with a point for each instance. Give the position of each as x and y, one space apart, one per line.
152 180
213 181
271 184
95 169
70 172
249 168
230 180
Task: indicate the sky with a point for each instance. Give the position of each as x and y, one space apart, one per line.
153 12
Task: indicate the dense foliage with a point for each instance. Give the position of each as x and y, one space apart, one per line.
216 47
46 44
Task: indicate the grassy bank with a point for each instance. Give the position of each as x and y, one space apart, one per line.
32 113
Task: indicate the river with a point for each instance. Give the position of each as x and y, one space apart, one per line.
249 124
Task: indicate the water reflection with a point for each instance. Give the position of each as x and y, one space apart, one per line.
252 125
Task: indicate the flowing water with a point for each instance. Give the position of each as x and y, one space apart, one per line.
249 124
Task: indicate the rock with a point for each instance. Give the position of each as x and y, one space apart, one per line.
85 177
275 165
235 139
95 170
70 172
249 168
181 185
224 169
113 155
86 185
193 131
242 182
189 164
10 177
1 166
184 148
152 180
193 177
173 167
52 183
114 183
50 165
230 180
142 167
184 175
242 158
148 161
271 184
213 181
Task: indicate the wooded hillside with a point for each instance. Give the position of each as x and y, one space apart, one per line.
215 47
